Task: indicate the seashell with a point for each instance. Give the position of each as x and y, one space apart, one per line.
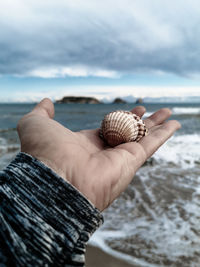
122 126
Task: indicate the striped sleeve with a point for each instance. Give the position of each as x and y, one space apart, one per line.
44 221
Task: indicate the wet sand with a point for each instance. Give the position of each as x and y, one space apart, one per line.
95 257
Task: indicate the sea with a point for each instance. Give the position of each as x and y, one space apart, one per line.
156 221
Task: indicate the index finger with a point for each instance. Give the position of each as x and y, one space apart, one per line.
158 135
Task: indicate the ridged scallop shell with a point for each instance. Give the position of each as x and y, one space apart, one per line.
122 126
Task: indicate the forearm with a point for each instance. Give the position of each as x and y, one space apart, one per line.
44 220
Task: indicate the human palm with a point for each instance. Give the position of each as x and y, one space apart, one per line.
99 172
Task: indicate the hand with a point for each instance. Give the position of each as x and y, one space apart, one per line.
99 172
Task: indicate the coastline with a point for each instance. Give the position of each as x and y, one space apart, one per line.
95 257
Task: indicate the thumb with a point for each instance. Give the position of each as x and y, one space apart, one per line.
44 108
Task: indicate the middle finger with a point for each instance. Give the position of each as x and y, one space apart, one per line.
158 117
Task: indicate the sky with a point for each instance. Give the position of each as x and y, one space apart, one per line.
105 49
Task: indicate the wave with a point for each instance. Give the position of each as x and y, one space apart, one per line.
7 130
156 221
99 240
158 224
180 111
181 150
147 114
186 110
6 148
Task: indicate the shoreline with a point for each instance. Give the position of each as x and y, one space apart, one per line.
96 257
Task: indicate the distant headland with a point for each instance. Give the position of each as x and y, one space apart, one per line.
90 100
78 100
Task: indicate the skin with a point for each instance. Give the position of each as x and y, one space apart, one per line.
99 172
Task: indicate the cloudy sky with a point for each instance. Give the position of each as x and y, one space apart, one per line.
101 48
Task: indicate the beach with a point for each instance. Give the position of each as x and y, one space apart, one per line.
95 257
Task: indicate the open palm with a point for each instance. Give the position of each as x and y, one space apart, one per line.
99 172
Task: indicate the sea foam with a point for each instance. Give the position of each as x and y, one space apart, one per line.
185 110
181 150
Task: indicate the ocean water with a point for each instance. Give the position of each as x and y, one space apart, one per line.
156 221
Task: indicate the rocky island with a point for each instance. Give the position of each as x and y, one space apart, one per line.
119 101
139 101
92 100
78 100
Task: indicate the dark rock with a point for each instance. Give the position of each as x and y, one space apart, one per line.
78 100
139 101
119 101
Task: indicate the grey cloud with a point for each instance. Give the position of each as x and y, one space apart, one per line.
124 36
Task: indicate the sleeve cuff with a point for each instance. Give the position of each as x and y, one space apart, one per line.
56 202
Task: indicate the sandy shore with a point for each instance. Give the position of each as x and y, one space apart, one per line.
95 257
